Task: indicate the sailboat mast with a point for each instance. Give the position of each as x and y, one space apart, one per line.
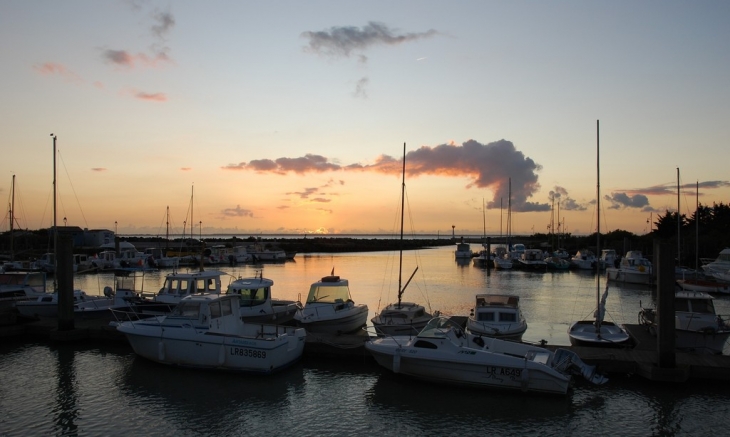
697 227
598 228
55 223
167 228
509 215
12 219
679 222
402 213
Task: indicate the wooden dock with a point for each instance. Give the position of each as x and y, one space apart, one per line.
639 360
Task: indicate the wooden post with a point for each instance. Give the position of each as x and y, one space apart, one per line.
65 280
665 306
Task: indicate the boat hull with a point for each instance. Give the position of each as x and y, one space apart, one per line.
704 286
629 276
583 333
188 347
709 342
346 321
471 368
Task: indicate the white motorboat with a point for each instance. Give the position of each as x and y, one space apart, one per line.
20 286
177 286
401 317
256 303
502 259
84 306
697 327
516 252
497 315
608 258
632 269
533 259
584 260
719 265
597 331
157 257
463 250
443 353
330 309
206 331
260 253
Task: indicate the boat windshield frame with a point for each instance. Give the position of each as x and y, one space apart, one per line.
438 327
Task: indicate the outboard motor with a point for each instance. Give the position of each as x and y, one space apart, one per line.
568 362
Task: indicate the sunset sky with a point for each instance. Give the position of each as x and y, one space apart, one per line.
290 116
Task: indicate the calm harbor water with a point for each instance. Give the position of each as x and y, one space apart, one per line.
104 389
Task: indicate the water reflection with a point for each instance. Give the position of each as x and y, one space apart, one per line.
66 410
436 409
210 402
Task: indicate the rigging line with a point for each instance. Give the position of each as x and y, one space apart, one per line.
72 189
417 253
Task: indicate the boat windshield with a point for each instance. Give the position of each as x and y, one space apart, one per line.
438 326
251 296
328 293
187 309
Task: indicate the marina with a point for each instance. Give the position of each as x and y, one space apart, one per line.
549 301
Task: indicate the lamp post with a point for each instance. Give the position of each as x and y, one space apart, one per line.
115 228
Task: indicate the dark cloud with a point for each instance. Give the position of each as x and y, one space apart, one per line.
304 194
306 164
159 52
164 22
563 201
98 169
237 212
623 200
123 58
487 165
347 40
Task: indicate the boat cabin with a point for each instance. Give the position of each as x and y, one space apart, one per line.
496 308
331 289
251 291
181 285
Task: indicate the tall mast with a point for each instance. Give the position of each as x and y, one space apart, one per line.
402 213
679 221
12 219
167 228
55 223
598 229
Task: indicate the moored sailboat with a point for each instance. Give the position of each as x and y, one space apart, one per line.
401 317
598 332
